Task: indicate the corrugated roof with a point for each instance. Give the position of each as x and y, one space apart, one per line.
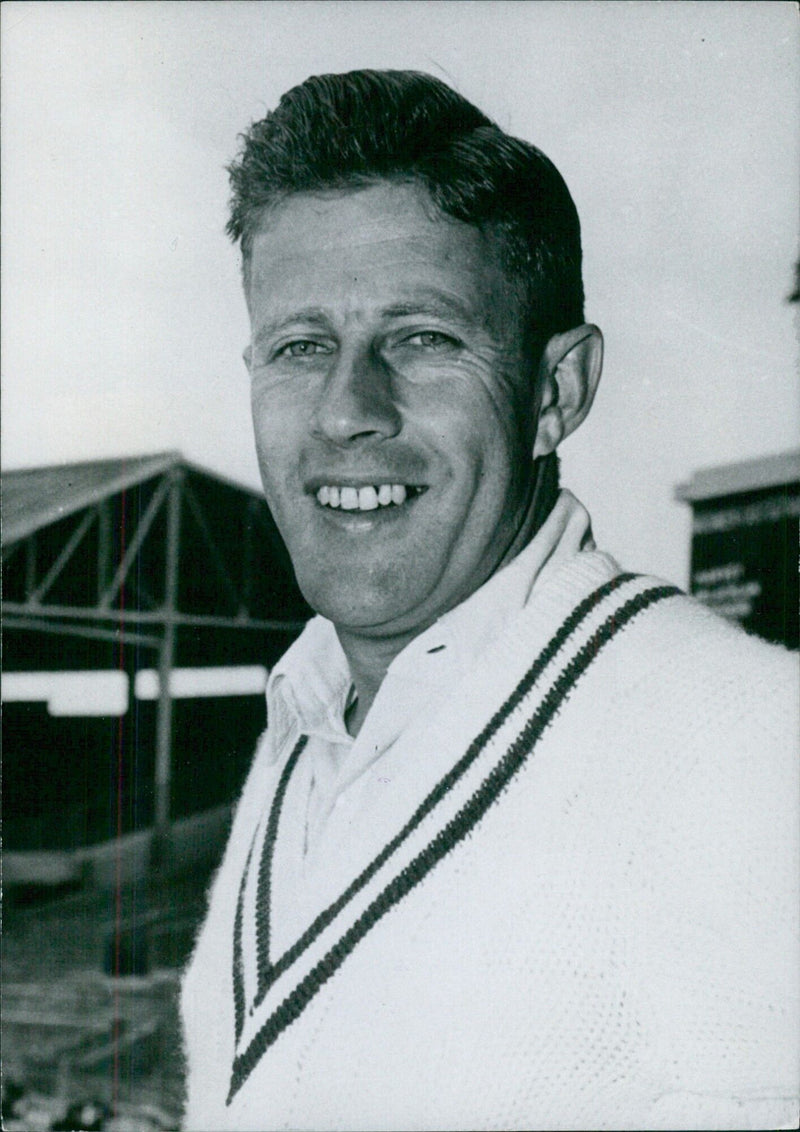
748 475
33 498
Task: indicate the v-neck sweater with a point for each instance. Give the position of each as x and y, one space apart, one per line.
587 920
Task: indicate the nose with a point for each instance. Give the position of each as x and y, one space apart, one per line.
356 401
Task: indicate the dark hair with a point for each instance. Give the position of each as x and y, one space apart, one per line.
349 130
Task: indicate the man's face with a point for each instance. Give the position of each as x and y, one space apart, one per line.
393 405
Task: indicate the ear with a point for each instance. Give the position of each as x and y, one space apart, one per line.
569 374
247 356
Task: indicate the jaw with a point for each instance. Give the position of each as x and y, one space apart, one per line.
394 569
390 573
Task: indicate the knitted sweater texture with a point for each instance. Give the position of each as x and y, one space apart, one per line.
588 921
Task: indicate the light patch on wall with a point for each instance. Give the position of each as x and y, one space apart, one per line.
188 683
103 693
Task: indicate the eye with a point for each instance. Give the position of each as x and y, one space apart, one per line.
431 340
300 348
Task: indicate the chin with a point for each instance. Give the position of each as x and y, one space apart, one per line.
356 614
356 606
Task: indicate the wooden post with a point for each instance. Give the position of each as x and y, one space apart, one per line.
103 547
166 661
246 587
30 566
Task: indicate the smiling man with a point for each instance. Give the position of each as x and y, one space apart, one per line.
396 409
517 848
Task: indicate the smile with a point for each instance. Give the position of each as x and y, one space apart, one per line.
367 498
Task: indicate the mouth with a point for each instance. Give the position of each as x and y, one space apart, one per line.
367 497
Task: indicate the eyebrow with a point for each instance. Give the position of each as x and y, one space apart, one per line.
433 303
315 316
427 301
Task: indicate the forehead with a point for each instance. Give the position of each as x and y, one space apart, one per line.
383 241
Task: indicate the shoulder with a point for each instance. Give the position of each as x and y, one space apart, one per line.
732 697
703 728
690 728
722 706
692 652
648 643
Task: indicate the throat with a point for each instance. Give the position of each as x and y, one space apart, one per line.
368 659
352 719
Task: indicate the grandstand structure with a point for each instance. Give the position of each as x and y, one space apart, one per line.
144 601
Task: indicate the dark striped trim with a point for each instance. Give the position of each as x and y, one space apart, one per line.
452 833
238 972
267 972
263 897
262 923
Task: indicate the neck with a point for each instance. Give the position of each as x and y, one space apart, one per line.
369 657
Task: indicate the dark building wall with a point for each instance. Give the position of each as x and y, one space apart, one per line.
745 559
77 780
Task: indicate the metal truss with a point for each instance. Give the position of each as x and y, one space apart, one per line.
154 627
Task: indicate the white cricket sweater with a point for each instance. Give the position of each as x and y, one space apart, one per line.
588 921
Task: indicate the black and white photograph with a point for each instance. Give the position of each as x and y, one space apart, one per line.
400 536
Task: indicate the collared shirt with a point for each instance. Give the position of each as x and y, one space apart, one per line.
309 690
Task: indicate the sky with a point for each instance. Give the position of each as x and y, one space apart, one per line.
674 124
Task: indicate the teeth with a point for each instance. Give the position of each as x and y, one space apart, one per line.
367 498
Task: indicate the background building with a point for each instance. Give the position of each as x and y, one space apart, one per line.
745 543
144 602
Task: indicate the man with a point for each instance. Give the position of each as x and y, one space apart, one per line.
516 850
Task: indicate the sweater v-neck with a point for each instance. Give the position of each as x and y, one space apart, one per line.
446 814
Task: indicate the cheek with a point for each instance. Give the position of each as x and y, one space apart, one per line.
482 434
510 417
278 422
